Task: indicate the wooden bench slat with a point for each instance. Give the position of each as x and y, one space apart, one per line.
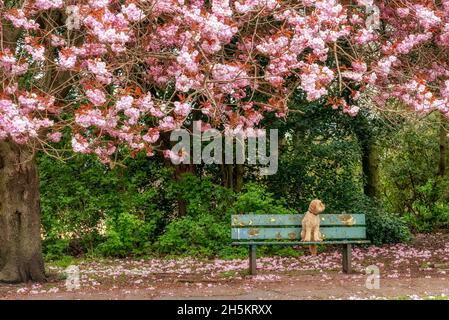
278 229
290 243
293 233
249 220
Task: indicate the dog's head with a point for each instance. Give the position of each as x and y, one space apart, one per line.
316 206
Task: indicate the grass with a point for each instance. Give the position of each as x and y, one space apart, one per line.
63 262
417 297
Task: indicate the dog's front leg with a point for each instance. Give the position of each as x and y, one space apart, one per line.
308 234
317 234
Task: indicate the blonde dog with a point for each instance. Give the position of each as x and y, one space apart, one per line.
311 224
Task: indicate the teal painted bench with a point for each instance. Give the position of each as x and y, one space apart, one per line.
284 229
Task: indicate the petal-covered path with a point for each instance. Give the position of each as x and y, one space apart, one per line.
407 271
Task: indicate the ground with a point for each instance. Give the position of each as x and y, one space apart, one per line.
419 270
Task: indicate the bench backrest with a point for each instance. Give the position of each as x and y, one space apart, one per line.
288 226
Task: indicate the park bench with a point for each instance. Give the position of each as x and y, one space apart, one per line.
284 229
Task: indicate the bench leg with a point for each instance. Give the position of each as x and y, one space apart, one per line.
252 259
347 258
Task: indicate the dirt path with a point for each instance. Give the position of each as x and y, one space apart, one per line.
285 287
416 271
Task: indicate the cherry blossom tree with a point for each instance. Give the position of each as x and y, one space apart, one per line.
117 75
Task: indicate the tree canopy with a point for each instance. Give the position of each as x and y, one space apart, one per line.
123 72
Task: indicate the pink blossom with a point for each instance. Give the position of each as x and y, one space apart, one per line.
132 12
124 103
36 51
67 58
48 4
426 16
55 136
99 69
96 96
314 80
167 124
80 144
152 135
182 109
19 19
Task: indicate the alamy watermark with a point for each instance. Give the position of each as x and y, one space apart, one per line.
373 277
373 14
243 146
72 281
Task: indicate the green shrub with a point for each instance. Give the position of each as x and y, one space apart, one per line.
55 248
383 227
206 228
79 195
428 219
200 235
410 176
126 234
201 196
254 198
430 211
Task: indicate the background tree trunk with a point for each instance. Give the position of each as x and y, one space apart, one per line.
239 172
180 170
370 164
20 216
228 175
367 135
443 146
232 176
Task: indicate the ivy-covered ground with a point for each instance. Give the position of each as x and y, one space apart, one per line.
419 270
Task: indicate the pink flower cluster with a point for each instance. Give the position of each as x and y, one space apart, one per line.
145 67
314 80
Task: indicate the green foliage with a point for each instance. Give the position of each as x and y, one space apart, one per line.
126 234
256 199
283 251
410 160
205 229
382 226
202 235
411 185
81 196
64 262
320 158
431 210
143 208
56 248
201 196
323 170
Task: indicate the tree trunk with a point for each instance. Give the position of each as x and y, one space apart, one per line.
232 176
443 147
179 171
239 171
228 175
370 165
20 216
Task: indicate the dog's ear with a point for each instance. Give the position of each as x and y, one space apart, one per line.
313 205
322 207
316 206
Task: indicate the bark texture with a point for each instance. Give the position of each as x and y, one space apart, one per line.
443 146
233 176
20 216
370 165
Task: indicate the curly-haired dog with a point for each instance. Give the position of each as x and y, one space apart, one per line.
311 224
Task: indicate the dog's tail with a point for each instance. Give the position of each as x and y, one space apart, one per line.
313 249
